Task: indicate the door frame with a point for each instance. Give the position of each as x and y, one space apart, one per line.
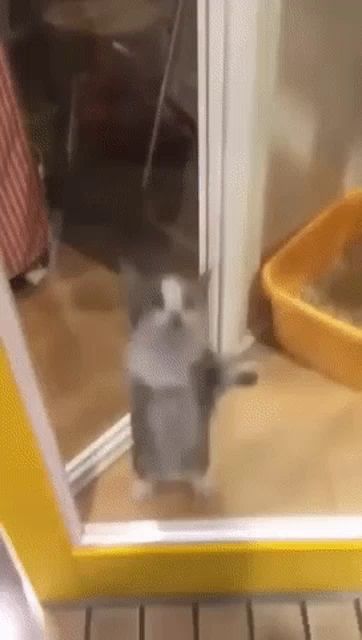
66 560
259 555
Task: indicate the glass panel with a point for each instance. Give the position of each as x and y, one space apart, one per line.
119 160
108 95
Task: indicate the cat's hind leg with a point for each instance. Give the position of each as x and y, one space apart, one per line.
142 490
202 485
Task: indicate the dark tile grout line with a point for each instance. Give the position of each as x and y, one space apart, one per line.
358 612
88 623
250 620
196 620
141 622
305 620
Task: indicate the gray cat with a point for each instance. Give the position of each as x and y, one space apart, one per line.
175 379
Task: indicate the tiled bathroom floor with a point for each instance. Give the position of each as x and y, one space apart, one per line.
290 445
76 329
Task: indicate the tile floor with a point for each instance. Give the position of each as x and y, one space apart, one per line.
290 445
322 619
76 328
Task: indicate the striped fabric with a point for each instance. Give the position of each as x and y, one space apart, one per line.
23 219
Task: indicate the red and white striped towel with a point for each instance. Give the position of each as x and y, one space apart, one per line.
23 219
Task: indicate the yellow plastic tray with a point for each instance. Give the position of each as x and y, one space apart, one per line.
315 338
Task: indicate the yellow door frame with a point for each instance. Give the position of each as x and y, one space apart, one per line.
61 570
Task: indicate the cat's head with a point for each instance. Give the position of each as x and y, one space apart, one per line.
170 302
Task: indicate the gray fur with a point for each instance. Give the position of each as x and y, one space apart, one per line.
170 425
175 380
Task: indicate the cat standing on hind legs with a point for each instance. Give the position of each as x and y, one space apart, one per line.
174 380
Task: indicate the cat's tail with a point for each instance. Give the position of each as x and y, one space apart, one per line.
238 372
47 266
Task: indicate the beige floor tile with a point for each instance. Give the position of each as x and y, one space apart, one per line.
65 624
279 620
166 622
114 623
220 621
76 331
332 621
285 446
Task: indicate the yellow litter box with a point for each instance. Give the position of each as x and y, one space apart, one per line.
315 338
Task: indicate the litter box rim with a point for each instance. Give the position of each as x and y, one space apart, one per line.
275 291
